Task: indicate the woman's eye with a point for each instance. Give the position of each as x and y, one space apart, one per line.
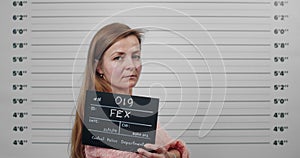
117 58
136 57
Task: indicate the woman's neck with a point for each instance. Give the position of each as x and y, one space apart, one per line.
122 91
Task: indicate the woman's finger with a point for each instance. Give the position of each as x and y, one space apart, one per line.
151 146
144 152
157 148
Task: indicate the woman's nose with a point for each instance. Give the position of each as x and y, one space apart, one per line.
130 64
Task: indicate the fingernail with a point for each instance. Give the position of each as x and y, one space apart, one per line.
146 145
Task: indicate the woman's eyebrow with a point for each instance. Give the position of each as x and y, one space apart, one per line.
119 52
136 51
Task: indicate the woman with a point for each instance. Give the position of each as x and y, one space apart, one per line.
114 66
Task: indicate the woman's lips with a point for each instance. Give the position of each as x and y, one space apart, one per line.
131 76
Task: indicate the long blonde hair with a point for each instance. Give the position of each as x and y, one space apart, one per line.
102 40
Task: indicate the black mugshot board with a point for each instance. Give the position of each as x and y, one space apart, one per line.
118 121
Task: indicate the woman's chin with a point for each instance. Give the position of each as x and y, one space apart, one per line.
131 84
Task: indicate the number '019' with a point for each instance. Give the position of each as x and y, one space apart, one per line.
124 101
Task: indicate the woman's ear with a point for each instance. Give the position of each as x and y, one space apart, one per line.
99 70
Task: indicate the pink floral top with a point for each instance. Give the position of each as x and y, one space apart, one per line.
162 139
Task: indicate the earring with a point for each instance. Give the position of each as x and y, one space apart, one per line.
101 75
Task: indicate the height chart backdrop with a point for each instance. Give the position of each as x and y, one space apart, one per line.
225 71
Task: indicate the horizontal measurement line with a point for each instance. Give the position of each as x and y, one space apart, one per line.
51 129
57 73
161 22
228 136
161 59
203 2
50 136
178 8
145 16
55 87
206 58
58 58
51 101
189 143
235 115
231 115
187 51
55 122
50 143
70 44
245 37
206 73
158 30
215 66
164 87
226 143
200 79
218 122
187 109
224 129
170 93
69 108
207 101
207 87
162 73
59 45
171 101
52 115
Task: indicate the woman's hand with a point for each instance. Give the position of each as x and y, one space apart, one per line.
161 152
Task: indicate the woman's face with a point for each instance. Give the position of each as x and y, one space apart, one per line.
121 65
